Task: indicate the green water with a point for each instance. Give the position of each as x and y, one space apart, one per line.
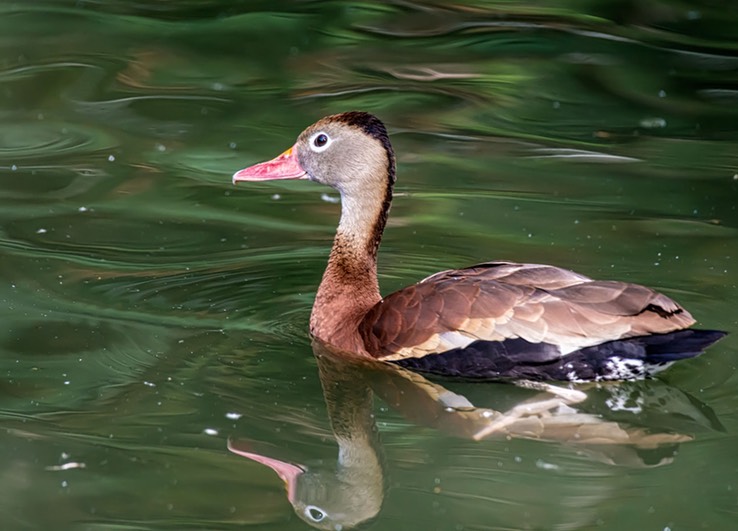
151 312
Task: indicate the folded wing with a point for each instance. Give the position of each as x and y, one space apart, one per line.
498 301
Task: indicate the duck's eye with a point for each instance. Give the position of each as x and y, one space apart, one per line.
314 513
319 142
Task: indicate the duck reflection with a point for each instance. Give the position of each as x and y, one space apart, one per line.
634 424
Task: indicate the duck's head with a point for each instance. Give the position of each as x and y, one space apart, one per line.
330 500
350 152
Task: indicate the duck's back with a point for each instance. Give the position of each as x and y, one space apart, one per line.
502 319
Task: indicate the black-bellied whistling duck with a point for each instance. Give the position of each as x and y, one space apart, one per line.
492 320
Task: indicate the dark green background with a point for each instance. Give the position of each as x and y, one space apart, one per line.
144 298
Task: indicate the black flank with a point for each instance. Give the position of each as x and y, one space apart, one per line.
624 359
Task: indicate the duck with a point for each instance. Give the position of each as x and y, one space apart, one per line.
495 320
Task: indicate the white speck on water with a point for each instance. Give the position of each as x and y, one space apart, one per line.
329 198
82 209
41 231
662 93
210 431
233 415
149 384
65 466
276 197
13 167
232 145
64 484
111 158
543 465
653 123
161 147
218 86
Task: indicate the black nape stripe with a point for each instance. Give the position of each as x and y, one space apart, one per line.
374 127
369 123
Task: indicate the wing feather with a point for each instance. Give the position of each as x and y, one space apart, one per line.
501 300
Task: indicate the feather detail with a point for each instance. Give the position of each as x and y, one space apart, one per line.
497 301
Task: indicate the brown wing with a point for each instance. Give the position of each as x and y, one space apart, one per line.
500 300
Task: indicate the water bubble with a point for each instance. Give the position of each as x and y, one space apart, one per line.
329 199
543 465
653 123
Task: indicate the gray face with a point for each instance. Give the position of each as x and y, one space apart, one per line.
342 156
337 500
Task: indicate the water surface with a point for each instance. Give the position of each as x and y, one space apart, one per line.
152 312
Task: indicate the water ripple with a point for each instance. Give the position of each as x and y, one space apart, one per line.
24 141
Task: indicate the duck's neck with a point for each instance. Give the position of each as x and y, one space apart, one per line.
349 401
350 287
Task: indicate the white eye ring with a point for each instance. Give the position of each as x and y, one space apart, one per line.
316 514
320 141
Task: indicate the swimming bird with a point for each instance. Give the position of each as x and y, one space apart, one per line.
495 320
